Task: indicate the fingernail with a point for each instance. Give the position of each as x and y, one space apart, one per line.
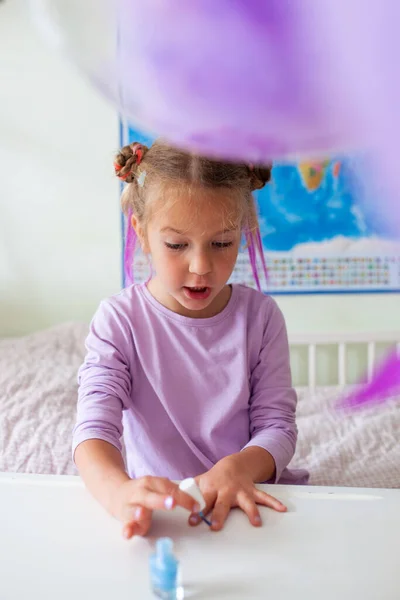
125 533
257 520
214 524
138 513
169 503
194 519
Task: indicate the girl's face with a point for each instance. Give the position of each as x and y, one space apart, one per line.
194 245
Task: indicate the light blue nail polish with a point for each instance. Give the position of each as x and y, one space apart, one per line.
164 571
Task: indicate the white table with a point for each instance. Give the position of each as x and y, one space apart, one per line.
56 543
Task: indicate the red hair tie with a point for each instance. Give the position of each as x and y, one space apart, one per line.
117 168
137 150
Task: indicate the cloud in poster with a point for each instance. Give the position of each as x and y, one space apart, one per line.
319 201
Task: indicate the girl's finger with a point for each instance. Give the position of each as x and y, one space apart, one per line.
194 518
169 495
136 528
143 526
128 530
137 521
137 514
185 501
249 506
152 500
267 500
220 512
134 513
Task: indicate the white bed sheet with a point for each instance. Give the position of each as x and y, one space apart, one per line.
38 402
359 448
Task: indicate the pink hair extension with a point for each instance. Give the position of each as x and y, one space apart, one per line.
252 256
261 253
254 245
129 253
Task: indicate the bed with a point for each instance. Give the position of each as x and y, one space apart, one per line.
38 397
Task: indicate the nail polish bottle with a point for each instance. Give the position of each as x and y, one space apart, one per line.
164 570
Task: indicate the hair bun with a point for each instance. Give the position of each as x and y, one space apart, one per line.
259 176
127 161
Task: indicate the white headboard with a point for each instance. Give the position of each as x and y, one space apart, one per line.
366 349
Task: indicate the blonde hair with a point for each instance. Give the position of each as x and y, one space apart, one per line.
162 164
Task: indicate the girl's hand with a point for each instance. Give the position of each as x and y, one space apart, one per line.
228 485
135 500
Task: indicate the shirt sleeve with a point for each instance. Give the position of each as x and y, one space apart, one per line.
104 379
273 399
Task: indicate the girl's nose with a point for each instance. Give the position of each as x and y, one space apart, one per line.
200 263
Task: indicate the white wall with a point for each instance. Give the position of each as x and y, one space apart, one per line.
59 211
59 206
341 313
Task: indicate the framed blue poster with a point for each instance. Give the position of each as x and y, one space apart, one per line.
320 227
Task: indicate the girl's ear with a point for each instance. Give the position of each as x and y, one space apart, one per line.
140 234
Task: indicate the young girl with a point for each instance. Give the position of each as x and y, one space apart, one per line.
192 372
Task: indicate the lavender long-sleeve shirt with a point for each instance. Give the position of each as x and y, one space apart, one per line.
186 392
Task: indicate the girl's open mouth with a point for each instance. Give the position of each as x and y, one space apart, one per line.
197 293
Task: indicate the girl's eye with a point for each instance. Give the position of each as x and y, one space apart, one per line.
175 246
221 245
